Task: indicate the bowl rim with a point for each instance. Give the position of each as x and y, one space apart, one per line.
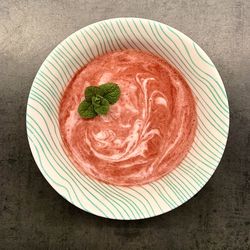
40 68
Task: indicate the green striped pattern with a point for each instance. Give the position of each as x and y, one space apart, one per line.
134 202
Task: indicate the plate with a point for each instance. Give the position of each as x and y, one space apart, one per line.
138 202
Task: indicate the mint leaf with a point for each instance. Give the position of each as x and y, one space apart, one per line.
91 91
86 110
100 104
98 99
110 91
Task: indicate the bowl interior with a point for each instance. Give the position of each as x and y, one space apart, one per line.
140 201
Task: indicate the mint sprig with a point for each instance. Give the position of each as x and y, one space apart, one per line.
100 104
98 99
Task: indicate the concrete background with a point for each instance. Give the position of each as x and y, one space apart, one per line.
34 216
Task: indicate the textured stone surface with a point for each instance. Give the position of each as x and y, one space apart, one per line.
34 216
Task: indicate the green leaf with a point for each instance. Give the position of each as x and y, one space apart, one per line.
91 91
101 105
98 99
86 110
110 91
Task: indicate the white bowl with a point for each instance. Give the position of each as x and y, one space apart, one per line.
137 202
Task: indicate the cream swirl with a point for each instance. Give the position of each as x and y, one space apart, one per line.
146 133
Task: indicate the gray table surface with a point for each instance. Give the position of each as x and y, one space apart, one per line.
34 216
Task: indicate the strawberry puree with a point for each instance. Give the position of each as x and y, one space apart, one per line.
145 135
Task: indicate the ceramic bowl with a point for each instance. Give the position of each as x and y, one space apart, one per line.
138 202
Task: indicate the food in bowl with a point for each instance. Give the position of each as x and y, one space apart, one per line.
145 134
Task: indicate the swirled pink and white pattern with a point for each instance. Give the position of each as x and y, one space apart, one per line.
145 135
